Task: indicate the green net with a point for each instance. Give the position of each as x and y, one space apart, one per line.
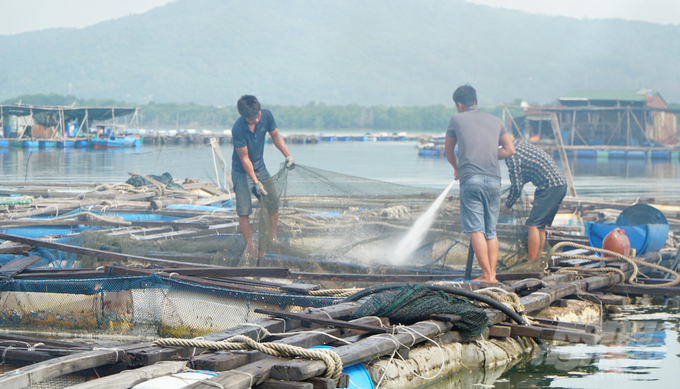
413 303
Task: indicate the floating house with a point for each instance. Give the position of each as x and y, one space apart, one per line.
604 118
61 125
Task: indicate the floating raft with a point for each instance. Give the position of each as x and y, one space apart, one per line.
428 347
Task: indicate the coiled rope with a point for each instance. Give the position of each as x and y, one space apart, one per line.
635 263
242 342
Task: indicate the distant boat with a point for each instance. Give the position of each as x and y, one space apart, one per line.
117 142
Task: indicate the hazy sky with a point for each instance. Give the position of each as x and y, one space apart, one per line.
29 15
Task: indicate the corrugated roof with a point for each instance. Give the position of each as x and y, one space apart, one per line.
610 95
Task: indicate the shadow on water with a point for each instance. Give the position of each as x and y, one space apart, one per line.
639 347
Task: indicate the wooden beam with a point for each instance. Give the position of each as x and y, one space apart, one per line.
398 277
169 273
53 368
326 321
551 334
214 272
278 384
564 324
652 290
299 370
497 331
92 252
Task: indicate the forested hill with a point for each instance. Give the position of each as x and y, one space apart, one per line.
367 52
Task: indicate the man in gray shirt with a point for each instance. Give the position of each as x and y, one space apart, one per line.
478 136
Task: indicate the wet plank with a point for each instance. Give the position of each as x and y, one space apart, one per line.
326 321
17 266
565 335
29 375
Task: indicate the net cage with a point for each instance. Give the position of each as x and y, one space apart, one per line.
136 305
327 223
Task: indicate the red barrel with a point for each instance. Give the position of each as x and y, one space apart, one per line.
618 242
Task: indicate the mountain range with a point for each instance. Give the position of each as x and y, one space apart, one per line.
366 52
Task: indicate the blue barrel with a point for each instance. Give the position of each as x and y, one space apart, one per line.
6 131
617 154
661 154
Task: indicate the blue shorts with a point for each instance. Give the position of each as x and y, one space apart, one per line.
243 187
480 203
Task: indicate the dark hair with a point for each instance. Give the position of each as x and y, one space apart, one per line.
465 94
248 106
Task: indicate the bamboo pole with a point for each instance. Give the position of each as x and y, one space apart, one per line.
563 154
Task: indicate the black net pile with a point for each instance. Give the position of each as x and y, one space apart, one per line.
413 303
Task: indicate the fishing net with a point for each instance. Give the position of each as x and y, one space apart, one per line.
331 216
324 219
413 303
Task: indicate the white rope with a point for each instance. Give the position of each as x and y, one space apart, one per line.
109 349
259 327
248 374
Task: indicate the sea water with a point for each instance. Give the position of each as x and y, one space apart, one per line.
395 162
410 243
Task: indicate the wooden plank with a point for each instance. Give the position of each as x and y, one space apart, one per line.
75 273
132 377
169 273
497 331
362 351
17 266
571 336
640 290
46 342
228 361
278 384
326 321
604 299
92 252
223 271
14 248
323 383
29 375
253 330
394 277
564 324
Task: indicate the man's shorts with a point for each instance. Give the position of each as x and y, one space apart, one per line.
546 204
480 202
243 187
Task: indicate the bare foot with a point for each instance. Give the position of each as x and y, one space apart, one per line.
252 251
486 280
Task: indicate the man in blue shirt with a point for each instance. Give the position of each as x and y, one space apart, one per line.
247 164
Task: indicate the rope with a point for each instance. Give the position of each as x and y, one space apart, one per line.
334 292
507 298
635 263
241 342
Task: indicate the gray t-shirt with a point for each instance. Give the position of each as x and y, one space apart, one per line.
478 135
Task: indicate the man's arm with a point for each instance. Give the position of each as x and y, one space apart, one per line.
507 148
279 142
247 164
449 150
